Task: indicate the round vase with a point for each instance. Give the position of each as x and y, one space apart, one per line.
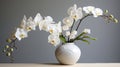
68 53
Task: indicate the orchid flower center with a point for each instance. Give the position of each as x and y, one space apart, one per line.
22 35
75 16
52 42
51 31
29 28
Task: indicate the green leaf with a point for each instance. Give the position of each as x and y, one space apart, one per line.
77 38
62 38
89 37
81 34
85 41
93 38
86 37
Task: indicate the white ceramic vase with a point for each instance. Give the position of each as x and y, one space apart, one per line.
68 53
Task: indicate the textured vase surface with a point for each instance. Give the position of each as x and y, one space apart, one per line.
68 53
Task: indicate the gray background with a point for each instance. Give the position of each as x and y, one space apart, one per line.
36 49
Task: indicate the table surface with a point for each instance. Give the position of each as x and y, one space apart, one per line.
58 65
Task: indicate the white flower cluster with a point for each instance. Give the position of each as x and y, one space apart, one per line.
46 24
95 11
75 14
55 29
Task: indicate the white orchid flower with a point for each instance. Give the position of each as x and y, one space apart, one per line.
30 25
88 9
67 33
41 24
23 22
65 27
59 27
72 36
74 7
53 39
68 21
49 19
52 28
87 31
44 24
21 33
55 28
97 12
74 32
38 18
75 13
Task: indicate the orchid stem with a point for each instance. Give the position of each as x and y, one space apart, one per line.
71 30
82 20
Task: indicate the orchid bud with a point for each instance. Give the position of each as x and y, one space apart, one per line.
115 20
8 54
9 40
106 11
6 46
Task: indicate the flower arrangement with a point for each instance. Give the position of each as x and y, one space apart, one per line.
65 33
